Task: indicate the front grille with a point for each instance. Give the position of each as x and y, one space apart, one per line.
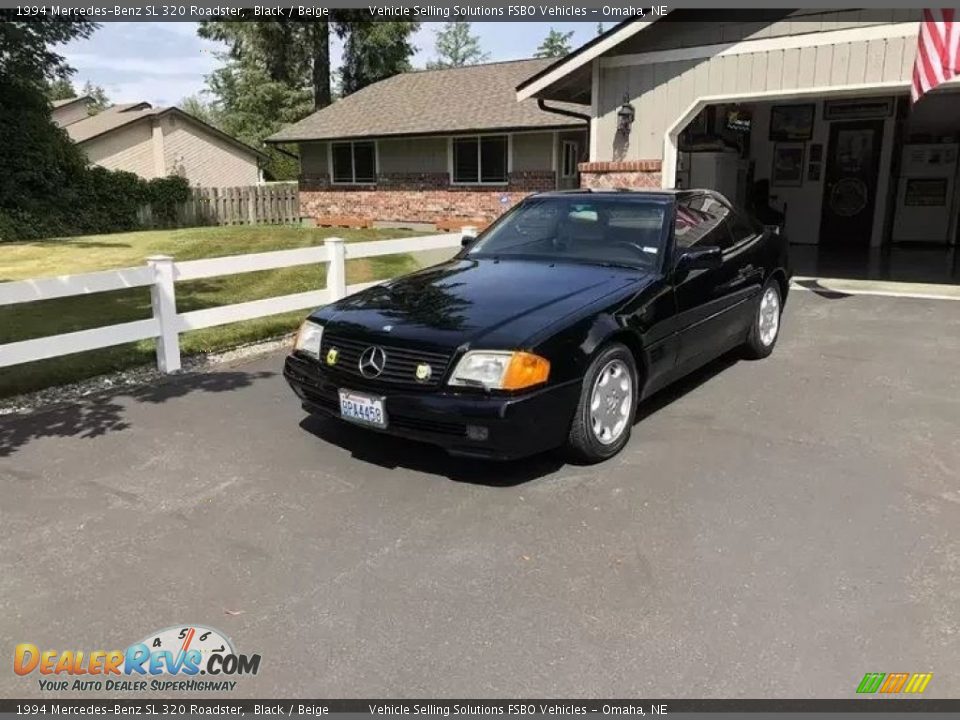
429 426
401 362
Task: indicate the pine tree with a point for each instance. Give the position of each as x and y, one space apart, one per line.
456 46
61 89
556 44
98 97
373 51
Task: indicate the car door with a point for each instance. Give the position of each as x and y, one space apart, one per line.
745 258
704 297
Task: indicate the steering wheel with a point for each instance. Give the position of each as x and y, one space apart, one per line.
632 246
561 239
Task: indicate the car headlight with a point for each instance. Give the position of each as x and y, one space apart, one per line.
500 370
308 339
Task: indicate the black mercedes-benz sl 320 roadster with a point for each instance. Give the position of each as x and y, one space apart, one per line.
550 327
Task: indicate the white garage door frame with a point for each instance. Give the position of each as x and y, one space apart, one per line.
671 137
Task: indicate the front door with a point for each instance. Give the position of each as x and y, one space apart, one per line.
850 184
569 177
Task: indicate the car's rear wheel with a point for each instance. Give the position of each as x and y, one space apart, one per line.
607 406
766 322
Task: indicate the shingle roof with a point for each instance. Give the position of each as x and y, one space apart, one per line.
69 101
476 97
105 121
118 116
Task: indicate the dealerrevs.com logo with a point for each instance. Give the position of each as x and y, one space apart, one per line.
170 659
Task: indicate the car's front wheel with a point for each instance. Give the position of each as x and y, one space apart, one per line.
766 322
608 400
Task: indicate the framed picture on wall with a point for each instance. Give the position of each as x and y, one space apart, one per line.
858 109
816 152
787 165
813 172
791 122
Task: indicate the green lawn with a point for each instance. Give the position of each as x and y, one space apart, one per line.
69 256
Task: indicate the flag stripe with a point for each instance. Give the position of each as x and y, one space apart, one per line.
938 52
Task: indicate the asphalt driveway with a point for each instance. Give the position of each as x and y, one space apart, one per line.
774 529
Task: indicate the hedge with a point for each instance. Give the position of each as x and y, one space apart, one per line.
49 189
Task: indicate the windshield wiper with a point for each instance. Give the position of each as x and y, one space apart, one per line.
608 263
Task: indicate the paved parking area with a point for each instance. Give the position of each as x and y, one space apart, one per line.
774 529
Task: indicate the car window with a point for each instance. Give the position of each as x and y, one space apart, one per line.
625 229
700 223
741 227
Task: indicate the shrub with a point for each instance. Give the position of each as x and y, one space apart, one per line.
165 194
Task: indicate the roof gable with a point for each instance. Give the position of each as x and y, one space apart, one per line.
119 116
57 104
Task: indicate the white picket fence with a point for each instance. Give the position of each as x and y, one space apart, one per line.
161 273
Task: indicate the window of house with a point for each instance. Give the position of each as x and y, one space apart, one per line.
480 159
354 162
568 167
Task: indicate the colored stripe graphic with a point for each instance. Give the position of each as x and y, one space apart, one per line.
870 683
918 682
894 682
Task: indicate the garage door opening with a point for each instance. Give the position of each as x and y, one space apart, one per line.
863 187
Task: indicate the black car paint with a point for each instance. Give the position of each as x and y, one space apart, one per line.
673 319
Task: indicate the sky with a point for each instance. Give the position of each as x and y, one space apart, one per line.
162 63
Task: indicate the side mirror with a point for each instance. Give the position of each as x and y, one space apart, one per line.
772 229
700 258
468 233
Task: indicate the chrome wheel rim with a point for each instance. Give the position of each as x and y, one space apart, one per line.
611 400
768 322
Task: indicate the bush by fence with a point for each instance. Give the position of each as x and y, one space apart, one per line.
98 201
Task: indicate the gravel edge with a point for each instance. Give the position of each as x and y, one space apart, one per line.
140 375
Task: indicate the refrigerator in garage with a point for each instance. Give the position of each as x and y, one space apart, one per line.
722 171
926 194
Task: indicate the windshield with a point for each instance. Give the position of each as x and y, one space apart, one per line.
619 230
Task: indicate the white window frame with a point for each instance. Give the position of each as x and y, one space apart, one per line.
478 138
563 157
353 162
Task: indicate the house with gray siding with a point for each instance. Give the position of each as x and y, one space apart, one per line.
806 112
447 147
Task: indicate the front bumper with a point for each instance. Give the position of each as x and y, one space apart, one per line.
517 425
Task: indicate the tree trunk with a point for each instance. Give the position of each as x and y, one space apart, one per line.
321 65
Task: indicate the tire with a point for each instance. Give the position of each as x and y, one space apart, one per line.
600 432
765 326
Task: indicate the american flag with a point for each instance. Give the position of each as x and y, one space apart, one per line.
938 52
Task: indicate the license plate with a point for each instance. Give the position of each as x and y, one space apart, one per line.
362 408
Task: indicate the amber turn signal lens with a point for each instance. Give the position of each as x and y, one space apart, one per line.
525 369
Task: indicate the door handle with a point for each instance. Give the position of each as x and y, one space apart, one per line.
746 271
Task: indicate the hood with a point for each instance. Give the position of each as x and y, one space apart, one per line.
475 302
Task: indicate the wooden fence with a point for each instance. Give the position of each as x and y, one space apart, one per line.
275 204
